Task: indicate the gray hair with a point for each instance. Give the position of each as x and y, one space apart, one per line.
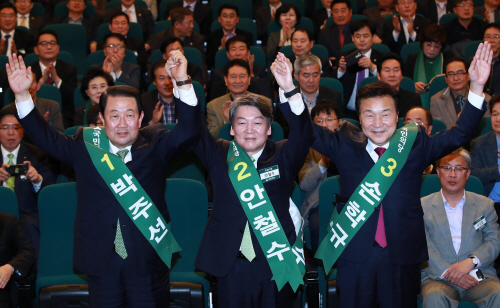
464 153
305 60
254 101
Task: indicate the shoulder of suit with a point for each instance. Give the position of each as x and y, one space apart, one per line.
7 218
484 138
428 200
476 198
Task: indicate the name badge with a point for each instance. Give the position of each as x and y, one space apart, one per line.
269 174
480 223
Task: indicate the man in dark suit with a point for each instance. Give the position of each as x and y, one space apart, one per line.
490 10
350 77
136 277
406 28
175 43
27 186
219 253
12 41
390 70
49 70
320 16
202 13
16 257
377 14
263 16
25 19
381 263
228 19
433 9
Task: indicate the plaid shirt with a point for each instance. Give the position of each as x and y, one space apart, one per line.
168 111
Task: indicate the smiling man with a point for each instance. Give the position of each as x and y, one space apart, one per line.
122 264
19 42
379 261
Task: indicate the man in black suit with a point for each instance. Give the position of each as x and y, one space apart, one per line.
263 16
433 9
175 43
320 16
136 277
12 41
26 187
362 35
390 70
202 13
228 19
49 70
76 16
377 14
381 263
159 104
25 19
16 257
406 28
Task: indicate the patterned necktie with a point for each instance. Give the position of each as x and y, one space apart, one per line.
119 244
460 101
274 14
246 242
341 37
380 234
11 180
23 21
6 44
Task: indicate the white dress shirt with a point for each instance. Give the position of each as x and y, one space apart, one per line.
405 29
26 20
43 67
11 39
132 15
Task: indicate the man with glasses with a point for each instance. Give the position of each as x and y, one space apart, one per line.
434 9
462 237
447 104
55 72
114 64
25 19
12 41
492 36
405 28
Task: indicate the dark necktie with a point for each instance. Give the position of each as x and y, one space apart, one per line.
341 37
6 44
380 234
461 101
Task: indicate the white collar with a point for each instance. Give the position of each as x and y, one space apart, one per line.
460 204
5 33
43 67
131 8
15 152
192 5
370 146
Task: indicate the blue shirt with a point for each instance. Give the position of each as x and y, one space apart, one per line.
495 192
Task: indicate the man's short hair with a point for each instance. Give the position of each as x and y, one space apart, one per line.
493 101
454 59
377 89
305 60
229 6
434 33
157 65
47 31
307 31
94 72
459 151
119 13
428 114
8 5
179 14
118 36
120 91
93 115
495 25
254 101
285 8
326 106
236 62
237 38
10 109
347 2
390 56
360 24
170 40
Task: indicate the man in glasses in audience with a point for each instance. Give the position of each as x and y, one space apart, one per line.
12 41
26 19
492 36
460 266
447 104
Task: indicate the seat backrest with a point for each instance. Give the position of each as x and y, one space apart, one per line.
484 127
276 132
409 49
9 201
371 3
37 10
50 92
193 55
165 24
431 184
71 131
407 84
221 57
156 56
367 81
438 84
470 48
61 9
333 84
77 97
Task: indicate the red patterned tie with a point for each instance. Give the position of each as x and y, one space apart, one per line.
380 234
341 37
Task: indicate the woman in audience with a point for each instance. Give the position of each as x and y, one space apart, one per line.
288 16
94 83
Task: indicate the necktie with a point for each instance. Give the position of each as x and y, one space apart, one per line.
23 21
341 37
274 13
128 13
460 101
6 44
119 244
49 80
11 180
189 7
380 234
246 242
361 76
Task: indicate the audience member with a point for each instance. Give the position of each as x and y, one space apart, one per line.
202 13
263 15
423 117
114 64
362 35
434 9
237 79
26 19
471 240
12 41
317 168
153 7
390 70
489 10
377 13
492 36
52 71
320 16
405 28
93 116
337 35
94 83
447 104
287 16
302 43
175 43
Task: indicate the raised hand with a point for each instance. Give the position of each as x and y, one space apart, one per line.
20 77
157 113
479 70
396 24
176 66
282 71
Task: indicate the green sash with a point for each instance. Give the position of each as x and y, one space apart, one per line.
286 263
130 194
367 196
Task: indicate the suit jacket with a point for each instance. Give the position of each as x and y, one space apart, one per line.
25 41
374 16
485 160
454 31
144 18
67 73
442 107
272 45
215 115
137 46
55 117
202 14
195 40
16 249
407 101
484 244
97 208
224 230
419 23
131 74
262 19
36 24
213 43
480 10
329 37
319 17
26 195
405 234
428 8
89 22
4 83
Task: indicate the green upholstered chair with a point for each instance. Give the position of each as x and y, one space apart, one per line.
9 201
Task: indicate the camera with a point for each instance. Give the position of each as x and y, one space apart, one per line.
16 170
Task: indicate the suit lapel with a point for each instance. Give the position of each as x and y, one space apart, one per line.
448 104
469 215
137 148
491 147
441 220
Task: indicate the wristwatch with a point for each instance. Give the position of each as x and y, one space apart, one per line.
474 261
184 82
292 93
